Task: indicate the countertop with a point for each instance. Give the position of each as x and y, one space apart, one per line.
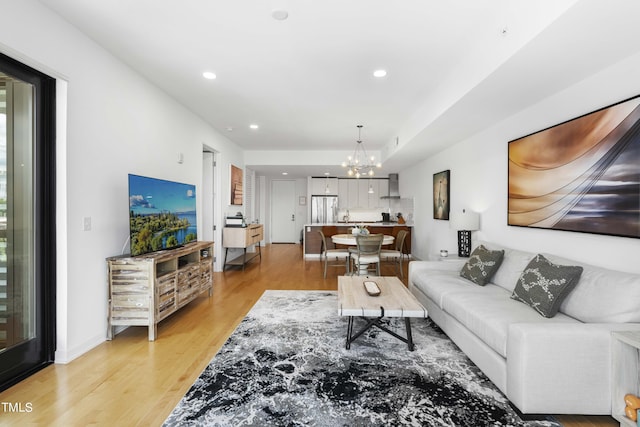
368 224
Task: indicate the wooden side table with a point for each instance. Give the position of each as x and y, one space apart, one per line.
625 372
242 238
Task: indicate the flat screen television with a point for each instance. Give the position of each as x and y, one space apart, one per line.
162 214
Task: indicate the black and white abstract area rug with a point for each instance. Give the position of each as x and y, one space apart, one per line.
286 365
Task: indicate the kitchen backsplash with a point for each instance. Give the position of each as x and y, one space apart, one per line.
403 206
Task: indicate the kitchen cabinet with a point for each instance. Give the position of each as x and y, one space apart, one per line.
319 186
373 199
352 201
383 190
366 199
358 194
363 193
354 193
343 194
312 239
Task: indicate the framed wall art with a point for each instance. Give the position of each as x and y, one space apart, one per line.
441 190
581 175
236 180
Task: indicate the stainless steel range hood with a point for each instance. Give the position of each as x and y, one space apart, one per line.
394 187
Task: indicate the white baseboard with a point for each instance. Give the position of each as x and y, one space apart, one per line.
66 356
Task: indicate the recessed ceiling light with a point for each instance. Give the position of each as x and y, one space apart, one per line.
285 173
209 75
327 173
229 129
279 14
380 73
254 126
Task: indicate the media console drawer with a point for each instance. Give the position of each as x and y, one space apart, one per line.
242 237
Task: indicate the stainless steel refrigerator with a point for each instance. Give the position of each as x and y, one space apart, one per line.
324 209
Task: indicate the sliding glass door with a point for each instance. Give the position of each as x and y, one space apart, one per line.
27 221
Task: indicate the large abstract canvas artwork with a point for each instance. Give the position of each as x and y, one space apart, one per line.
581 175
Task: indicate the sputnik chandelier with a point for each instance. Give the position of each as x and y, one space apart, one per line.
360 163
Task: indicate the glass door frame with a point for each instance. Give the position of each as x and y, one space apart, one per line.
25 359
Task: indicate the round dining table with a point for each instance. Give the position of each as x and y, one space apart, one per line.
350 240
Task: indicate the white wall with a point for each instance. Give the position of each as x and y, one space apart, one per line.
479 178
116 123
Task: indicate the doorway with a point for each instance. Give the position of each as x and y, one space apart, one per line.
283 211
209 206
208 199
27 221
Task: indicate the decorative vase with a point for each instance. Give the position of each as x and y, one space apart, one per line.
444 253
359 230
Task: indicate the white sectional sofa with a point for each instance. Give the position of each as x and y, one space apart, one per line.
558 365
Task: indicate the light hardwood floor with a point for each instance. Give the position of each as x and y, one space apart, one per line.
130 381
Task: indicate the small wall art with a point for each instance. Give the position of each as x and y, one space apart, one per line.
581 175
236 180
441 181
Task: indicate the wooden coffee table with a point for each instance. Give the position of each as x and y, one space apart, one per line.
394 300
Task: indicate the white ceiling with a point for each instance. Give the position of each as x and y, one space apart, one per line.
307 81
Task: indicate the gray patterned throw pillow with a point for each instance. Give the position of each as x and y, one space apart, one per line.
543 285
482 265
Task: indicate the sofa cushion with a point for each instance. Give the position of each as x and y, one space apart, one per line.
482 265
543 285
438 283
488 311
513 264
602 295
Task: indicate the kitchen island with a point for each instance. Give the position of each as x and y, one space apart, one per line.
313 242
